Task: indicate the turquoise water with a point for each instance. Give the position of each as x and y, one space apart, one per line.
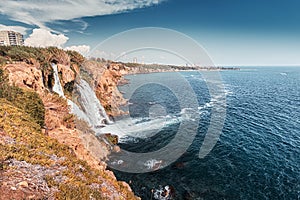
257 155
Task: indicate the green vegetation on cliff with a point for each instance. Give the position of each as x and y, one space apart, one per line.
28 101
43 55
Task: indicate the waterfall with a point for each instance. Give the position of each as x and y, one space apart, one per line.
91 105
78 112
57 86
93 112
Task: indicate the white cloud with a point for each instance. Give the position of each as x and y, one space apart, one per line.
44 38
82 49
19 29
37 12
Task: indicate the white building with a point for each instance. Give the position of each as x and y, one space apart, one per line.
11 38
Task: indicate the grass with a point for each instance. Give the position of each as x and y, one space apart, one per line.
29 101
35 148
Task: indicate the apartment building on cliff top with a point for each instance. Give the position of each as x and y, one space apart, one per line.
11 38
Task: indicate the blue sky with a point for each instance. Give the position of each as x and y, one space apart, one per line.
233 32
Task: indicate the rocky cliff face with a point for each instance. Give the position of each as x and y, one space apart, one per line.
59 123
25 76
67 74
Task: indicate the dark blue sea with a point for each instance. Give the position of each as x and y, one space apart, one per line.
257 155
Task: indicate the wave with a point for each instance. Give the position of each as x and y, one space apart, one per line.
140 128
213 101
163 193
146 127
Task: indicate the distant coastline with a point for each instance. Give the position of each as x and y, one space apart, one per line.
165 67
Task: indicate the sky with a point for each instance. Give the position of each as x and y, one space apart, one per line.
232 32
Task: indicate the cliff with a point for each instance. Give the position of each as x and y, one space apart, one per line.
44 153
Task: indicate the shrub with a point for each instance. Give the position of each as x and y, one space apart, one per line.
29 101
78 192
75 57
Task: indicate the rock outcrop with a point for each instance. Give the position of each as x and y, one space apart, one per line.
67 74
26 76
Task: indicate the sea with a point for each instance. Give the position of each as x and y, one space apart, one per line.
256 154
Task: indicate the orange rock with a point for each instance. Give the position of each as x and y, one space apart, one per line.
68 75
117 149
26 76
23 184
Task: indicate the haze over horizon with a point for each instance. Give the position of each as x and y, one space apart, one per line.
233 32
